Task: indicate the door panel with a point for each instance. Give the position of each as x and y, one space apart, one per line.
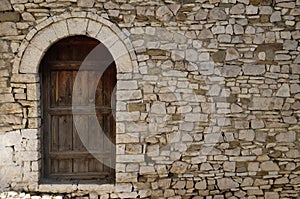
65 151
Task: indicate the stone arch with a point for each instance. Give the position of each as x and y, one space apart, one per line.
39 39
36 43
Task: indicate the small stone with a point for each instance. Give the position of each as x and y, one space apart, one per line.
179 167
271 195
262 56
229 166
257 124
269 166
264 103
191 55
201 185
205 167
251 10
201 15
227 183
253 166
5 5
205 34
231 54
288 137
290 45
247 135
238 29
86 3
254 69
217 14
283 91
276 16
164 13
230 71
8 28
10 16
237 9
265 10
295 68
236 108
295 88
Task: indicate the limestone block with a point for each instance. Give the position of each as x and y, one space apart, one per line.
5 5
85 3
164 13
130 158
196 117
128 116
263 103
8 29
226 183
127 138
237 9
269 166
126 177
127 84
201 14
257 124
254 69
129 95
33 91
295 68
247 135
251 10
217 14
206 34
271 195
9 108
60 28
179 167
290 45
288 137
231 54
77 26
31 57
229 166
158 108
213 138
276 16
147 170
283 91
12 138
27 16
202 185
265 10
230 70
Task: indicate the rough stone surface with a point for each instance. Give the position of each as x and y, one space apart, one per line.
206 104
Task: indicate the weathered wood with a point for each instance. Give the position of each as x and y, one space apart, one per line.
65 152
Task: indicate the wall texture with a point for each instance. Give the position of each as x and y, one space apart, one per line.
208 94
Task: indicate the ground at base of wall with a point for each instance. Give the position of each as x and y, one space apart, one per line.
13 194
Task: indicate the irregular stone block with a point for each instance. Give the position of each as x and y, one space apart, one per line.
179 167
230 71
9 16
263 103
8 28
5 5
254 69
226 183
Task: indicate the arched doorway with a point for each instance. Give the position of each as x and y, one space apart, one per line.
65 155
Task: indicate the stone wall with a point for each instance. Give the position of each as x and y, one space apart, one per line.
207 97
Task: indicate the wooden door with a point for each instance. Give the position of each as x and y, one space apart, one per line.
65 155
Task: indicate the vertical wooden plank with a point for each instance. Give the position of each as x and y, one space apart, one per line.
78 141
82 78
54 134
65 124
65 79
